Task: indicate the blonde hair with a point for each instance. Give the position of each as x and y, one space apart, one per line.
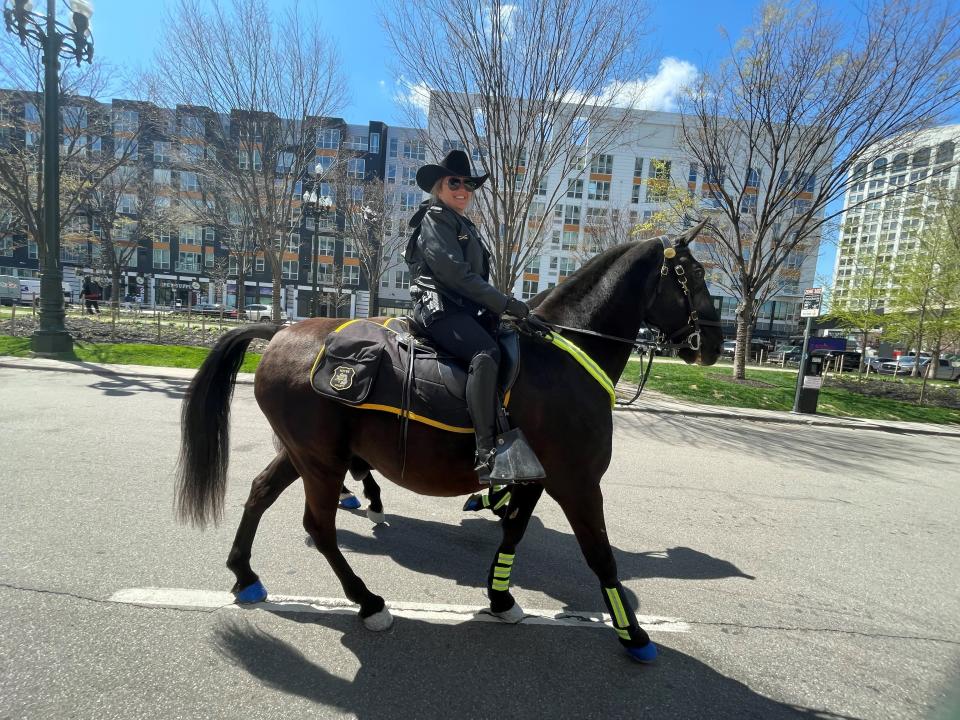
435 190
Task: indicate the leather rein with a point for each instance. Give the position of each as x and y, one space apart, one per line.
661 340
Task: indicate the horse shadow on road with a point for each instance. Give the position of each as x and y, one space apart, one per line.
477 670
113 384
548 561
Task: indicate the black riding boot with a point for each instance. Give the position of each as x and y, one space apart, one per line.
481 395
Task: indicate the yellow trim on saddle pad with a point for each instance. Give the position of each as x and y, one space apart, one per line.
587 362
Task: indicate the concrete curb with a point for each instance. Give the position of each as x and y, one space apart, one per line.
661 407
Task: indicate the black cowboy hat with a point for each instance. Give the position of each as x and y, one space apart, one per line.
456 164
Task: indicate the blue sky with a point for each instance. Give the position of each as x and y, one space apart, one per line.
126 34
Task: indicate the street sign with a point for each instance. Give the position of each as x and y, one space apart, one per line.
811 302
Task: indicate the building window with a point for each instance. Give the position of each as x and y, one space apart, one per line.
165 234
692 174
328 139
284 162
126 149
391 173
350 248
602 164
351 274
575 189
449 145
638 168
31 113
258 264
541 190
357 142
189 234
530 288
188 182
162 151
571 215
191 126
32 250
567 267
571 240
208 259
748 205
921 158
356 168
126 121
945 151
414 150
375 142
188 262
127 204
161 259
599 190
291 269
161 176
209 235
6 246
394 147
409 200
401 279
635 194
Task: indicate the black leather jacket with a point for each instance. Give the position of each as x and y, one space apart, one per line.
449 265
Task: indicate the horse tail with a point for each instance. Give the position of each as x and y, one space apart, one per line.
201 475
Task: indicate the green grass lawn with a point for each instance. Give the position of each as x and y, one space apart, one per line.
714 386
179 356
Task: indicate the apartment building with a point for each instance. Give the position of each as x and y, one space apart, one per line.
176 264
887 203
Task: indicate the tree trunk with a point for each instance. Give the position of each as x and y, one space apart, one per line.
374 298
276 295
863 356
742 351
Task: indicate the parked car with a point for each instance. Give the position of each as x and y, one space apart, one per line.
730 346
215 309
851 360
258 311
785 353
904 366
874 363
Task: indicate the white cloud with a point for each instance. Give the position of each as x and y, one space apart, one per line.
655 92
416 94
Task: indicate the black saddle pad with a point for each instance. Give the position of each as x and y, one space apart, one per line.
363 364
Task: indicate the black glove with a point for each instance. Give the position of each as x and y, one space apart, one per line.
537 325
517 308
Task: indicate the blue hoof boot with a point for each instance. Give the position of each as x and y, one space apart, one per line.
474 503
645 654
252 593
349 502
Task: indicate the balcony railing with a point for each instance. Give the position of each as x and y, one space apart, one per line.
189 267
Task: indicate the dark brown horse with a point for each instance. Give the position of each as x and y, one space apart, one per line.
564 412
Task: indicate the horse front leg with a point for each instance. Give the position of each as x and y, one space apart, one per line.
523 500
584 511
266 488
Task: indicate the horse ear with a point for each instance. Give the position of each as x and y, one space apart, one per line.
688 237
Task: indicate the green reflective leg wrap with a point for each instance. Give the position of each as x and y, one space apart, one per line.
499 578
624 621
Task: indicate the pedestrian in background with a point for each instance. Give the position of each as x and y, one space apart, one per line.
91 295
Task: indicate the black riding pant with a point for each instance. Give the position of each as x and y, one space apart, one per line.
464 337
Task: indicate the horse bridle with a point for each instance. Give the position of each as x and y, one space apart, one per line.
694 322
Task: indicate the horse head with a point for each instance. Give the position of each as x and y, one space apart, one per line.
682 309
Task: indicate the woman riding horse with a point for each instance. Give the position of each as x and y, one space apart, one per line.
453 302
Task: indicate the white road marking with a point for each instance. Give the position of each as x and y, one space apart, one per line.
430 612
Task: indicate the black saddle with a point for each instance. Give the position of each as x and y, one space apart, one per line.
389 368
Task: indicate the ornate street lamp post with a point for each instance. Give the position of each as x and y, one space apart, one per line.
321 206
56 40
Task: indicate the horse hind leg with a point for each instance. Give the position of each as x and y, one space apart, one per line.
266 488
584 511
319 519
360 470
522 501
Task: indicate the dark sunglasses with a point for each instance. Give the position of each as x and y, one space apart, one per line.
468 184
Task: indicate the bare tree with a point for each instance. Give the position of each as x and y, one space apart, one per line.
787 124
529 87
128 214
86 154
605 228
259 101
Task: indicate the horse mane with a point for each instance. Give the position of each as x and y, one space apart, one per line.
584 281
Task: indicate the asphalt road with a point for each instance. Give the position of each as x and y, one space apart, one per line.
815 569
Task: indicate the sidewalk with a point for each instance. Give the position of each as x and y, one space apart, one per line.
652 401
649 401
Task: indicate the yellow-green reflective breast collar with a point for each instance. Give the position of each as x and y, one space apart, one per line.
587 362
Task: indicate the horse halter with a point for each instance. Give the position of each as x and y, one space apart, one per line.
692 328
